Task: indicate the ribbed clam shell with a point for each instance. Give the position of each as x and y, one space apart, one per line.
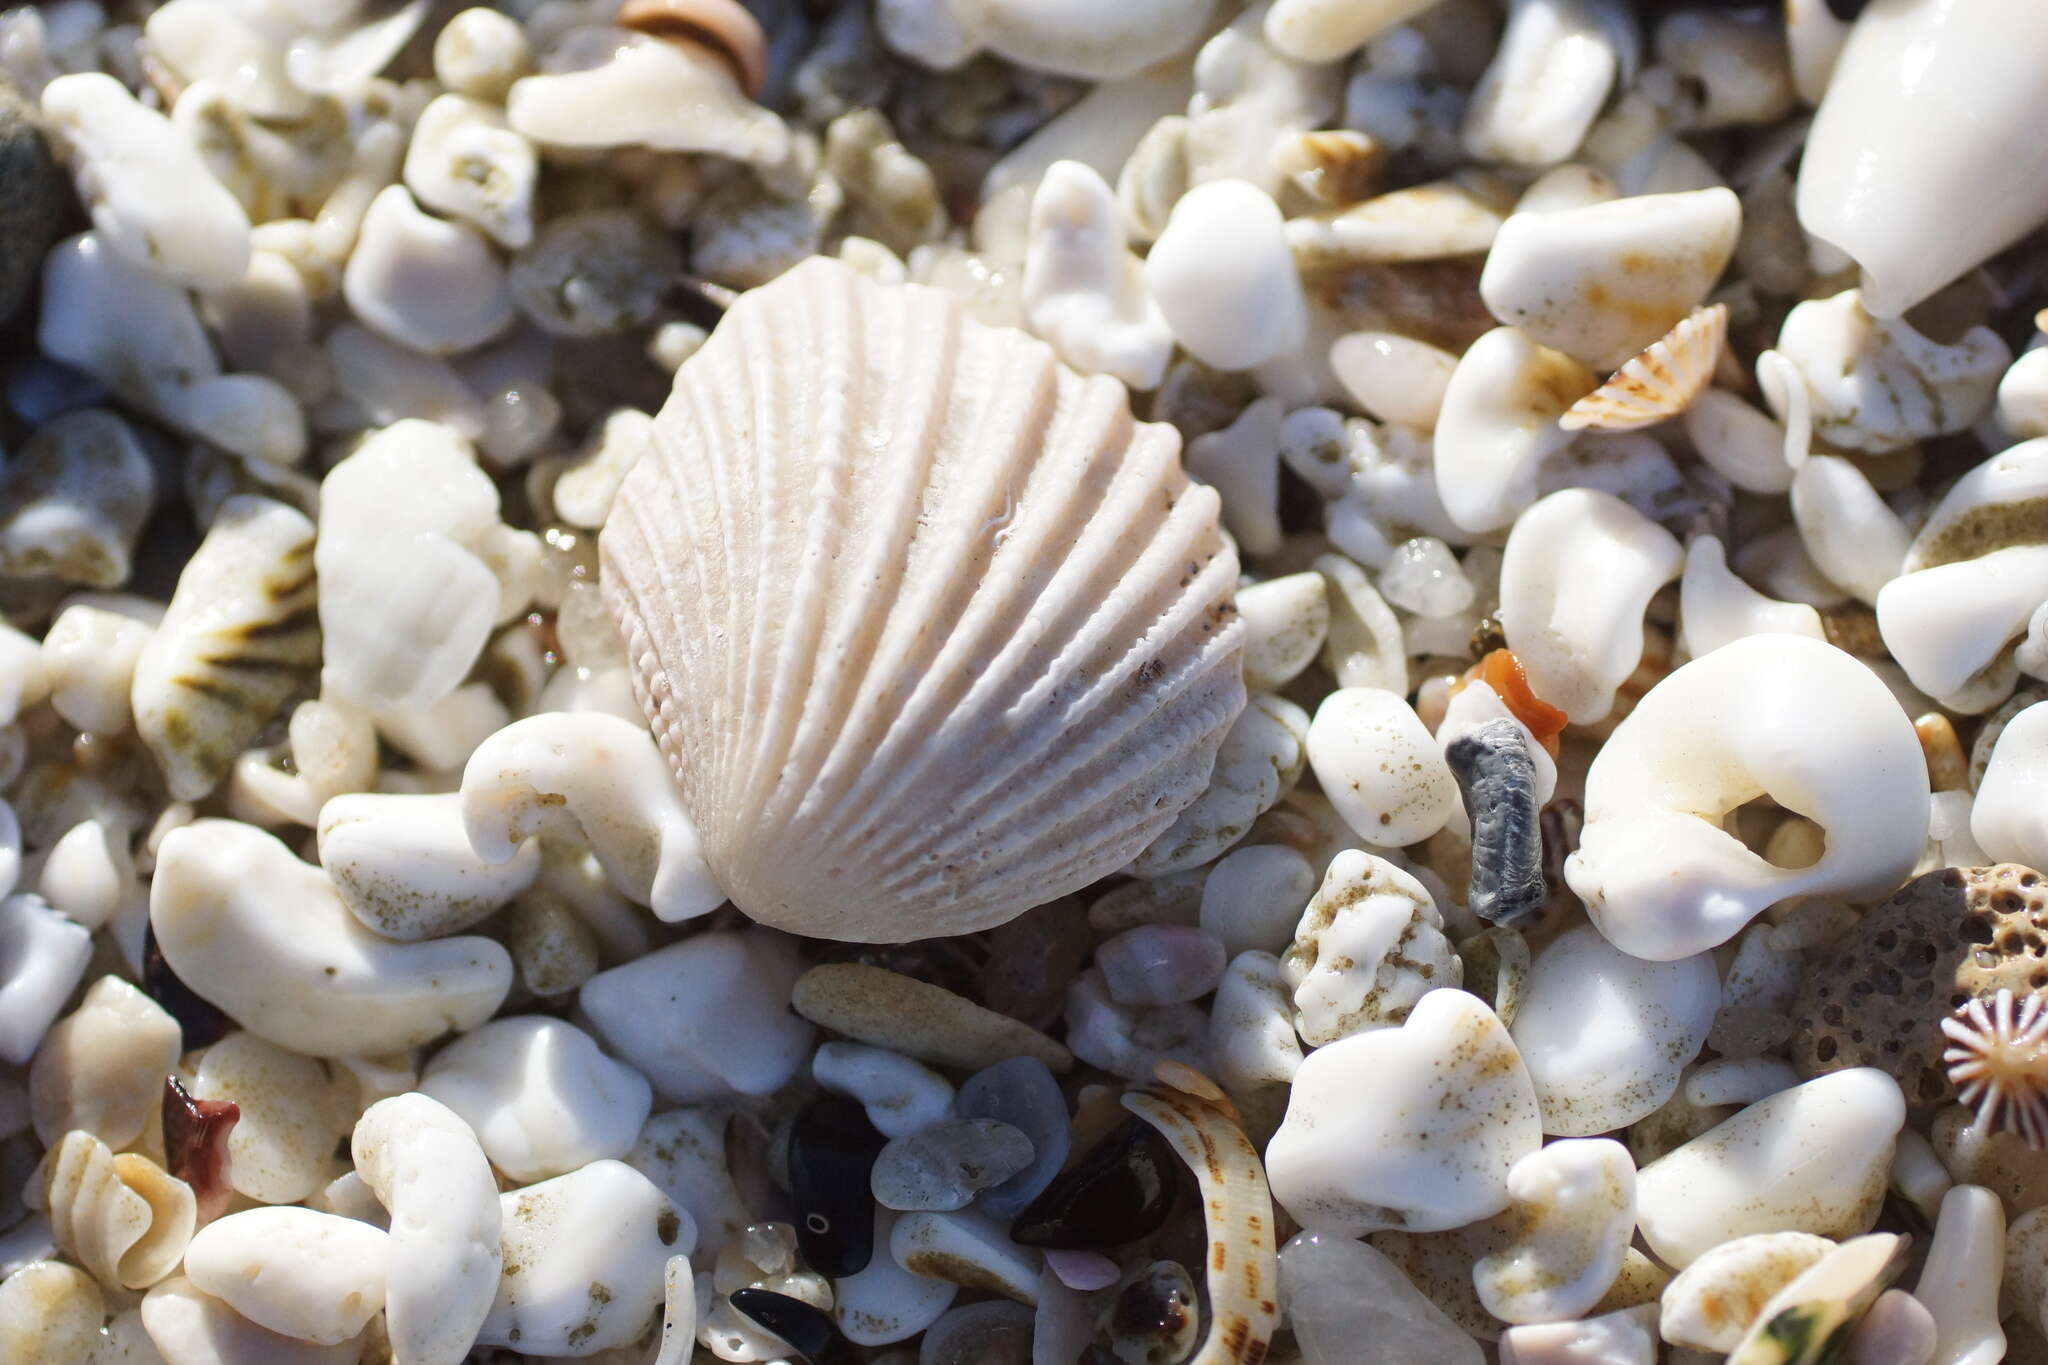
929 627
1659 383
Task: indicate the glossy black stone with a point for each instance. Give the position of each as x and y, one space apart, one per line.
832 1149
1122 1190
1493 768
201 1023
809 1330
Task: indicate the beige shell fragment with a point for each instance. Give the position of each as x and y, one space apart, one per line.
1661 382
929 628
121 1217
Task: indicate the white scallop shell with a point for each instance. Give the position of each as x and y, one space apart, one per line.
1659 383
930 629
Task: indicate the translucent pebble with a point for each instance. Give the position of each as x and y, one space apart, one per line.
944 1166
1423 576
1340 1293
1161 964
1022 1093
993 1333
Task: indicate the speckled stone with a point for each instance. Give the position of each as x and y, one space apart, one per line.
1878 996
33 194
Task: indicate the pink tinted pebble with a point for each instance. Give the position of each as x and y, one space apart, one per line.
1082 1270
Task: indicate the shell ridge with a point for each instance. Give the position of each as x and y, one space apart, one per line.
907 431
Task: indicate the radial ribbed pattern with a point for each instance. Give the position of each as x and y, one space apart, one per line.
931 630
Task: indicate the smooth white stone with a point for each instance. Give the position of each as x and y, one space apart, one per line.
385 382
46 955
885 1303
900 1096
600 781
704 1018
1380 767
592 1248
466 161
101 1067
1811 1159
306 1275
1286 621
423 281
1715 607
1741 443
404 867
2022 406
1578 574
89 656
1604 281
87 874
1253 897
965 1248
1242 462
480 52
1780 715
1084 291
1556 62
1252 1042
1323 30
1413 1128
1497 425
601 87
1572 1212
541 1097
1852 535
1160 964
1959 1281
1224 278
1711 1303
926 31
314 981
2009 818
1369 946
1074 38
1340 1293
1625 1337
1605 1036
425 1166
1393 377
151 197
281 1150
1730 1081
185 1326
1896 1330
1877 384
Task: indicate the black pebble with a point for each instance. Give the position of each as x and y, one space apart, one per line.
1122 1190
809 1330
832 1150
1492 765
201 1023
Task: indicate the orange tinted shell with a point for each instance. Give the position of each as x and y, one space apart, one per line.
1502 671
725 26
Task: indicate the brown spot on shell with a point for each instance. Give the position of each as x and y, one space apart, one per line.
723 26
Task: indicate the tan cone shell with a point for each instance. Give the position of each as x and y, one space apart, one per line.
930 628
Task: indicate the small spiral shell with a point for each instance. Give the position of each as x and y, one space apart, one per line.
123 1218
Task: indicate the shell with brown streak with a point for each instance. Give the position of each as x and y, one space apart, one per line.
1661 382
930 629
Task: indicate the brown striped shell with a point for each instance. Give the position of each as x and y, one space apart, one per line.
930 630
725 26
1661 382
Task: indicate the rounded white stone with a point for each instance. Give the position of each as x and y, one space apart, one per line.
1572 1211
1253 897
2009 818
1224 278
1380 767
423 281
312 1276
901 1096
405 868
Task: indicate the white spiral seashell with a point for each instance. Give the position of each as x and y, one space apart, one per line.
121 1217
929 628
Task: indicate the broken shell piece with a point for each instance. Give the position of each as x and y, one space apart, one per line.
1605 1036
607 88
1876 384
1817 1307
725 25
1577 575
304 1274
465 160
957 844
967 1249
151 196
1259 761
404 867
1422 223
89 655
1885 177
318 982
1413 1128
1083 289
1498 422
1369 947
1660 383
239 638
1781 715
1494 762
121 1217
599 780
444 1256
1712 1302
1555 64
73 500
424 282
1810 1159
1558 274
1572 1212
1224 279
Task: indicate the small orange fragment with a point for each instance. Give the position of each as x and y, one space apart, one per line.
1502 671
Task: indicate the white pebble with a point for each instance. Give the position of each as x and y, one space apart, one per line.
885 1303
1573 1211
965 1248
1253 897
465 161
1084 291
306 1275
1285 620
2009 818
47 954
404 866
1380 767
1160 964
900 1096
1242 463
1225 279
424 282
1959 1281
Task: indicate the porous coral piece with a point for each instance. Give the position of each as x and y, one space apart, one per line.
1879 995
